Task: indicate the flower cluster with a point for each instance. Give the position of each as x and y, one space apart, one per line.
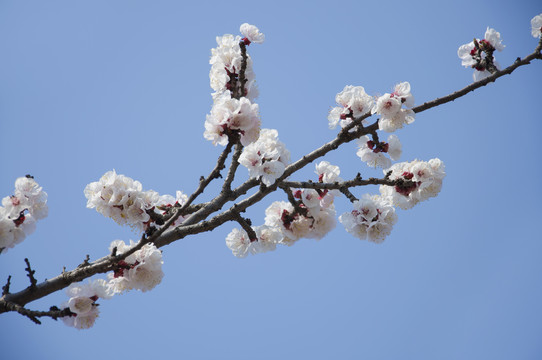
266 158
232 116
353 102
141 270
82 303
478 54
312 216
372 218
417 181
372 152
122 199
19 212
241 244
389 107
233 81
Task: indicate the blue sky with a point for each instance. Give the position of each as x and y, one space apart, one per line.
86 87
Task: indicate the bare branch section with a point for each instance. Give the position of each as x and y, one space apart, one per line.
197 221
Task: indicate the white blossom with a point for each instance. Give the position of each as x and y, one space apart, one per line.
473 56
353 102
241 245
374 154
19 212
266 158
142 270
83 320
252 33
82 302
372 218
536 26
494 38
230 115
122 199
226 62
389 107
422 180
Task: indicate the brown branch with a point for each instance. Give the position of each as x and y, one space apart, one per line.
246 224
5 288
226 187
33 315
445 99
30 274
197 223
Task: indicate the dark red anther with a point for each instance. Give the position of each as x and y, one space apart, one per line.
20 219
286 219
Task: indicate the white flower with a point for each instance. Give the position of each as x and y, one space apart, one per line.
465 53
420 180
494 38
474 56
323 221
271 170
402 91
239 243
372 217
536 26
374 154
266 158
280 215
225 63
81 321
402 117
19 212
327 173
82 302
142 270
310 198
353 102
122 199
229 115
252 33
387 105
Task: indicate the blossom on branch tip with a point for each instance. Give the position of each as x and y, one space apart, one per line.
252 34
20 211
122 199
536 26
478 54
226 63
